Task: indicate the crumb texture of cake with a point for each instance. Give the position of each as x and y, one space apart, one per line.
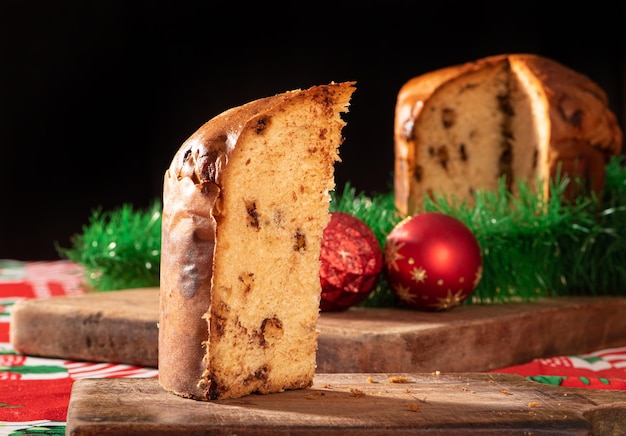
523 117
245 203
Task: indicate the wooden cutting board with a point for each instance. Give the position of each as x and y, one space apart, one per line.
372 404
121 327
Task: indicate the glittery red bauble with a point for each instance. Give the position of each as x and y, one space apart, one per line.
432 261
351 260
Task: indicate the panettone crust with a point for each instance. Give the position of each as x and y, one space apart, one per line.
245 202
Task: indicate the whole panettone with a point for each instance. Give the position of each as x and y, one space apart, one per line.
245 203
519 116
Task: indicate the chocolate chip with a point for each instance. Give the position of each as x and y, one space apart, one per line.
253 215
448 118
463 152
299 241
261 125
417 173
259 374
248 280
443 156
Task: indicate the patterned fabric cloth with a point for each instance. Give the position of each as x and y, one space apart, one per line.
604 369
35 392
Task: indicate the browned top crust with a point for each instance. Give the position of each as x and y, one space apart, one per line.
204 154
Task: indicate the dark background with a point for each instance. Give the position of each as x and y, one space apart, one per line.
96 97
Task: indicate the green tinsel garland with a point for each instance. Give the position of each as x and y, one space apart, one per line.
532 247
119 249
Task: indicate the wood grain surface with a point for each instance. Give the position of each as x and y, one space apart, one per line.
121 327
433 404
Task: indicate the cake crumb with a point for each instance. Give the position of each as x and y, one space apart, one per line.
436 374
533 404
413 407
370 379
506 392
398 379
357 392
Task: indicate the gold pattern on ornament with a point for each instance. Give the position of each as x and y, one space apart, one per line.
344 255
449 301
479 274
440 282
392 254
404 292
418 275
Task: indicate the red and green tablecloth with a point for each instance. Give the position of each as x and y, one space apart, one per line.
35 392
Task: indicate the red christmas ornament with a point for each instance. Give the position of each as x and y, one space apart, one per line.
351 260
432 261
